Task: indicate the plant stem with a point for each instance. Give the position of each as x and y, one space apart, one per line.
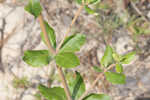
66 88
57 49
95 81
42 25
61 74
70 26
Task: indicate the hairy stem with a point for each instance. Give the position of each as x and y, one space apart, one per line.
61 74
95 82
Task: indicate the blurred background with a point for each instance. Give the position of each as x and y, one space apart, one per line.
124 24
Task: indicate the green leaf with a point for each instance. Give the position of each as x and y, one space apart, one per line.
115 78
119 68
34 8
87 1
55 93
126 59
67 60
89 10
116 57
67 39
73 43
79 1
107 59
76 86
97 97
37 58
91 1
51 34
97 69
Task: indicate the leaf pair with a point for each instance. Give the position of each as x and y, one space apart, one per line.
39 58
77 88
65 58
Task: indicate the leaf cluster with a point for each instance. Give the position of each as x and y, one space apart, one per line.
111 57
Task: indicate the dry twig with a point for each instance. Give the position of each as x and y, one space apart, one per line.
95 82
69 29
138 11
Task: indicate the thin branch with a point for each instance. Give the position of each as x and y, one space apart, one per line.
138 11
1 47
95 82
66 88
69 29
5 40
41 21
